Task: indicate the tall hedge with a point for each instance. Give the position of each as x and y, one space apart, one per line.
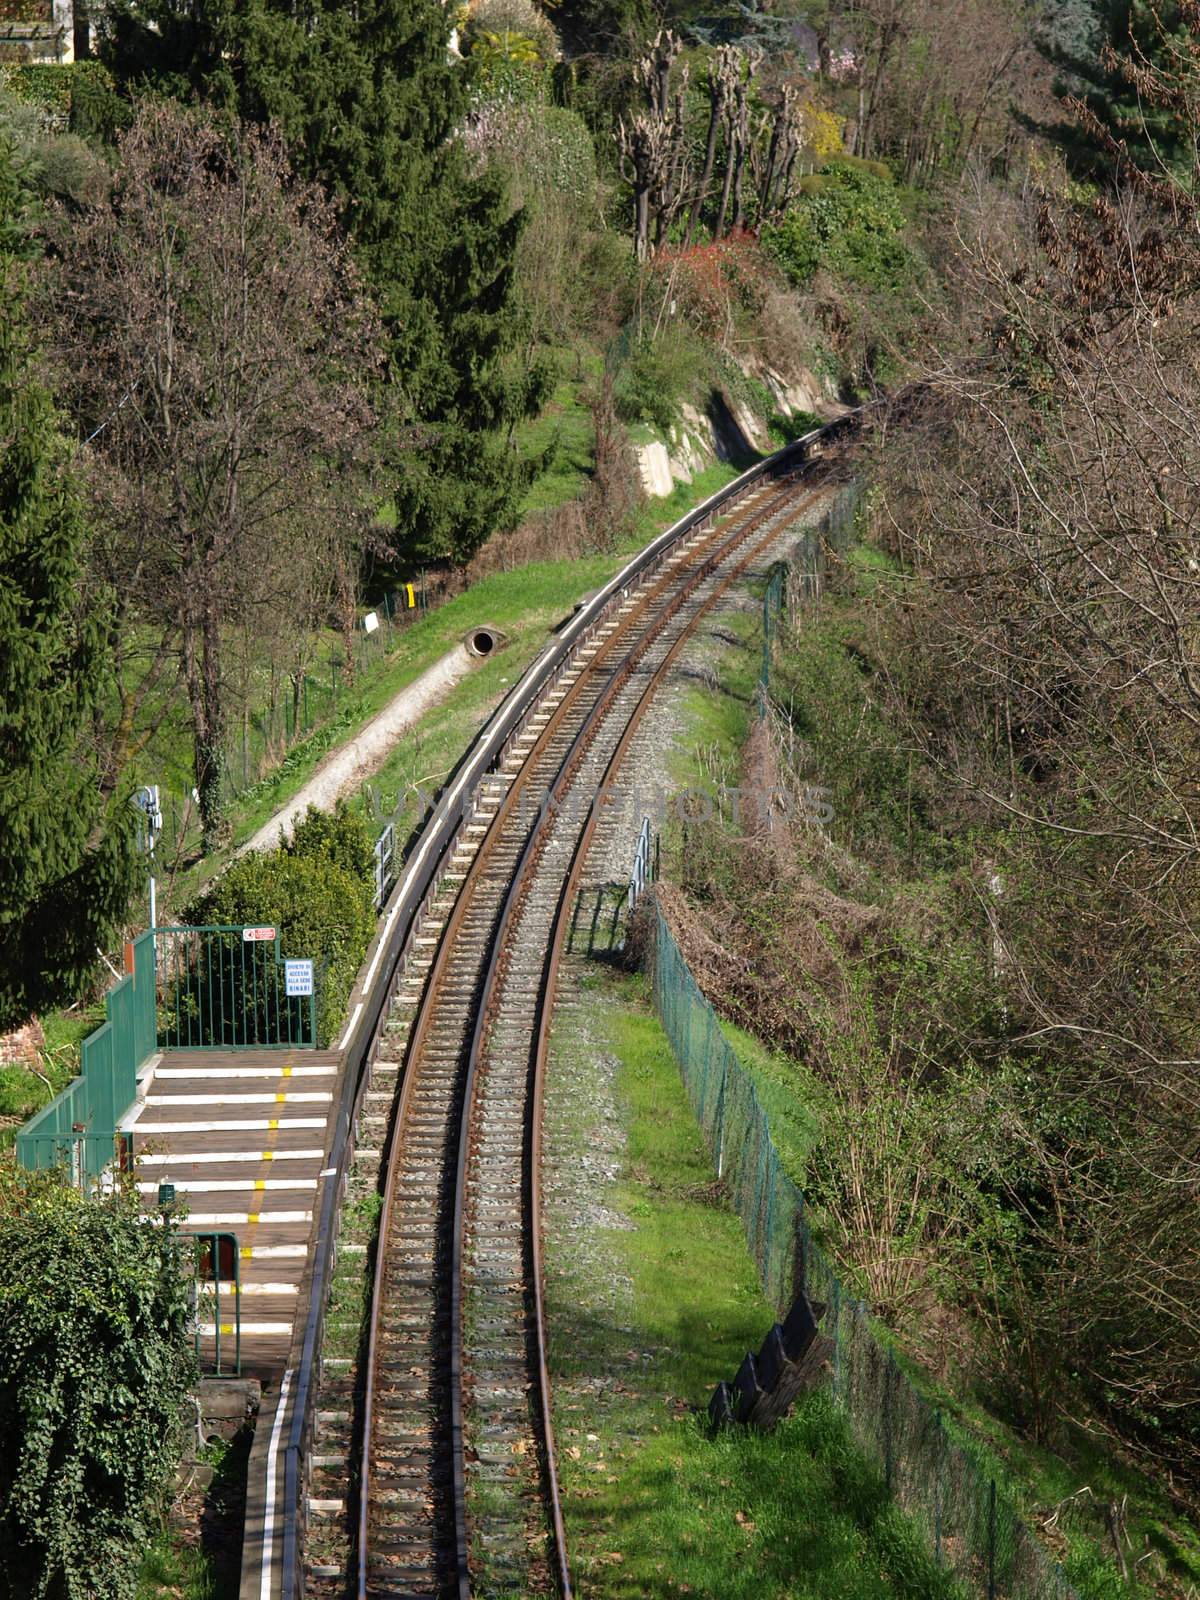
318 891
96 1363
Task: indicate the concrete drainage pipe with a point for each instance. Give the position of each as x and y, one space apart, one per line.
484 640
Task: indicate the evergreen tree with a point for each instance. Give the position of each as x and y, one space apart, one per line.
1092 44
66 867
368 99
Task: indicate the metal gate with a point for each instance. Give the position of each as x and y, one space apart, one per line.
232 988
217 1294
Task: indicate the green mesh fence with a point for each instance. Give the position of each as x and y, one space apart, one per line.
971 1524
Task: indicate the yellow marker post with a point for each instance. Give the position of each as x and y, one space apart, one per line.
412 599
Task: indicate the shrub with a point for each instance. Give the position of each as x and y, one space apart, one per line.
654 377
79 91
68 168
794 244
719 287
848 219
95 1366
340 837
542 148
507 19
318 892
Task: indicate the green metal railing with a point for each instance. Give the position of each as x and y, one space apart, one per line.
227 988
79 1127
217 1264
188 988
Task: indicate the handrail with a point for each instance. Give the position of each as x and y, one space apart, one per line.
369 1010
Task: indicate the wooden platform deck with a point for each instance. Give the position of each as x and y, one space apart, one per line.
243 1137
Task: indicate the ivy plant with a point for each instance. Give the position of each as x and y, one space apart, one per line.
96 1362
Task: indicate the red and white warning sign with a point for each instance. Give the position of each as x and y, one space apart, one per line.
255 935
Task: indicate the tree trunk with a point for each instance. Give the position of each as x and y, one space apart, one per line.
710 150
727 187
209 718
764 193
642 224
741 148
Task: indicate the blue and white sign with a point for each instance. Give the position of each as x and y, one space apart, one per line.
298 978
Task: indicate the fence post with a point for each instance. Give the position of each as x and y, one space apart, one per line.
937 1490
887 1423
720 1141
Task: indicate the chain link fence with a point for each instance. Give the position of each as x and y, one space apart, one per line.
933 1474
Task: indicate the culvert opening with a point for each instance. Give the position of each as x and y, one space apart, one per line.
484 641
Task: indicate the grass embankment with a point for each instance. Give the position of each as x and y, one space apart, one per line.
1068 1489
562 439
652 1302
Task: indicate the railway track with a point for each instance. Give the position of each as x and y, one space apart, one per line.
444 1474
458 1490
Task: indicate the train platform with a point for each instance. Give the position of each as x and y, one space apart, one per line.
237 1141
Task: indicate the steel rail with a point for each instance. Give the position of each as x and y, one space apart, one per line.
499 953
722 541
280 1550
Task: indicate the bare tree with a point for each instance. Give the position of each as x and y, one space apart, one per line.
215 348
722 76
653 146
1046 660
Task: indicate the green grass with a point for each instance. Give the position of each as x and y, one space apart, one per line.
562 438
172 1570
196 1553
655 1507
787 1095
1084 1477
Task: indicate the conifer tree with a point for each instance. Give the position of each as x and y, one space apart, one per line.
368 99
1092 44
66 864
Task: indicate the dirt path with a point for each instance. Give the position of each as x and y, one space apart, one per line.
344 769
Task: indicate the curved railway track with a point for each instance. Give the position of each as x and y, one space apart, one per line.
449 1467
458 1492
